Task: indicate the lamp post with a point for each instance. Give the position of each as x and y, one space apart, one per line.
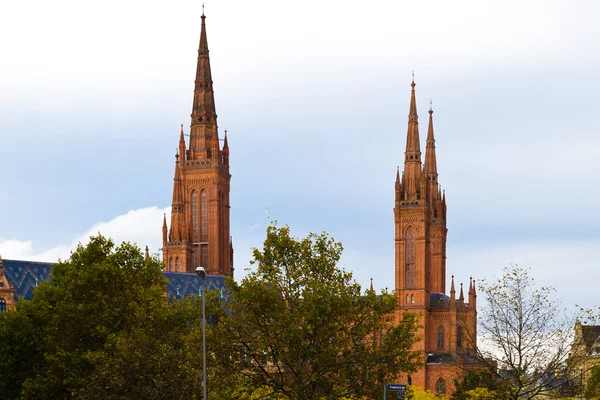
202 274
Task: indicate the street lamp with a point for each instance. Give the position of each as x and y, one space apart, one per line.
202 274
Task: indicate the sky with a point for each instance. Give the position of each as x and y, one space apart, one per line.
314 96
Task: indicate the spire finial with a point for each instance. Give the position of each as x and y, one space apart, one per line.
371 287
430 106
203 9
413 76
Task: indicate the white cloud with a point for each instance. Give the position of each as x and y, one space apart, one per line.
142 226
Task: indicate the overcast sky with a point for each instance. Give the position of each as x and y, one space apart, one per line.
314 96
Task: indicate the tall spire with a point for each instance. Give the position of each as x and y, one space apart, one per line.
411 177
204 118
413 146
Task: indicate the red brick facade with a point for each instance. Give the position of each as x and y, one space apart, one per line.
199 234
448 324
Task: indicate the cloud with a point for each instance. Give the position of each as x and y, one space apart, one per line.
141 226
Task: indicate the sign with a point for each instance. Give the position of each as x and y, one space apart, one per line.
396 386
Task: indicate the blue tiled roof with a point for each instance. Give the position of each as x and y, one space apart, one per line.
26 275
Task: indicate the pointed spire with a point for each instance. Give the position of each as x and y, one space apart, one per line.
452 292
371 287
397 175
182 149
175 234
461 297
430 158
412 174
147 253
413 146
164 229
204 118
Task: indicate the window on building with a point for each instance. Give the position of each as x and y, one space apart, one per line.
2 305
409 257
176 263
170 263
440 386
407 299
459 334
409 380
412 299
440 338
195 215
203 217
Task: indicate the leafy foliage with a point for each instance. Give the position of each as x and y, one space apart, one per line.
478 384
592 389
101 329
300 325
528 332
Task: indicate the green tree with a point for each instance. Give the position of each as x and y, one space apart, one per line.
490 384
101 329
300 325
527 334
592 388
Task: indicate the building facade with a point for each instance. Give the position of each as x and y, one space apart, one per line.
448 325
199 233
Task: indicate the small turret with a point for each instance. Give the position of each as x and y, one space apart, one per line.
164 230
473 296
452 292
371 286
225 150
461 298
182 150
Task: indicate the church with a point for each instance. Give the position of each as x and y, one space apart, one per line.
199 234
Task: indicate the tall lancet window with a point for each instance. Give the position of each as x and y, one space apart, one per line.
204 229
440 337
409 254
195 214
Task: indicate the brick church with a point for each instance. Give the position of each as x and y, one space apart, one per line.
199 234
449 325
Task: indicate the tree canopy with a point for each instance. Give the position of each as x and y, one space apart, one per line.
100 329
301 326
528 335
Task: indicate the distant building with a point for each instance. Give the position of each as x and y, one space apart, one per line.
449 325
585 351
18 279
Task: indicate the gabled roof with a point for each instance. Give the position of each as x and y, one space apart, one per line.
26 275
590 336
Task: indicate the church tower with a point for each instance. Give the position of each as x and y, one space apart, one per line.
199 232
420 218
448 325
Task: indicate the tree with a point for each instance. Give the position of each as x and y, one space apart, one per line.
101 329
592 389
301 326
527 332
479 384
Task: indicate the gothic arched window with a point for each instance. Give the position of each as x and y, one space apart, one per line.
195 214
459 334
171 264
407 299
412 299
204 229
440 386
176 263
2 305
409 380
440 337
203 217
409 257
